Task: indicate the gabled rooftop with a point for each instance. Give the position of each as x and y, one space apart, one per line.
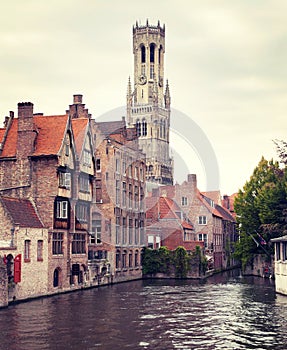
22 212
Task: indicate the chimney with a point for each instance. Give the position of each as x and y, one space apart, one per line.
25 116
78 99
226 202
26 135
192 180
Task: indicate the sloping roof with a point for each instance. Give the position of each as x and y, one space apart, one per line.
50 133
79 126
109 128
160 208
206 203
22 212
9 149
214 195
226 215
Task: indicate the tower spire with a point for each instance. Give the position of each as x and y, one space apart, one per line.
167 96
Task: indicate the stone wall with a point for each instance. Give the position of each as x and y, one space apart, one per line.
3 284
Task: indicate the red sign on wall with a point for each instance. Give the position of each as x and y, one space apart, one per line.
17 268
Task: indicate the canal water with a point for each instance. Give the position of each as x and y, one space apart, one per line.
226 311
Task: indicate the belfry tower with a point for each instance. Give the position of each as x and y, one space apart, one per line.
148 104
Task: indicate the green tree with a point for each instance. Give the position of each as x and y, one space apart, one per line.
260 210
181 262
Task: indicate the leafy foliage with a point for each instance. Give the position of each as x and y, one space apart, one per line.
261 209
178 262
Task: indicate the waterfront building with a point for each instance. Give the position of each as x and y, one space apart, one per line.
118 219
213 224
48 161
167 225
148 102
280 263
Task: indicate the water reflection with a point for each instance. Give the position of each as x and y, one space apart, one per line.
223 312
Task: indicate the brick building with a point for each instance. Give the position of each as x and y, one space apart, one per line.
213 224
118 222
167 226
50 162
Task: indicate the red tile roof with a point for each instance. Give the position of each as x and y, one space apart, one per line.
22 212
79 126
50 134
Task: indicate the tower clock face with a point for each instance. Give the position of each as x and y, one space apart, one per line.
142 79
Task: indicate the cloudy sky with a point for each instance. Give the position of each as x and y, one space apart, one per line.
225 62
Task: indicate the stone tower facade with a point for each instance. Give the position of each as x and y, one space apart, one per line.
148 103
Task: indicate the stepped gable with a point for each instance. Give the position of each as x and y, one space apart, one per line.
22 212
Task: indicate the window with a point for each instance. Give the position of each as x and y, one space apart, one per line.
152 47
87 158
138 128
136 231
117 230
284 251
118 192
203 237
124 259
82 212
150 240
202 220
65 180
62 209
130 231
40 250
79 243
118 259
142 54
130 196
117 165
84 184
27 245
98 165
278 251
97 230
183 201
124 199
57 243
130 259
136 258
152 71
187 235
124 230
144 128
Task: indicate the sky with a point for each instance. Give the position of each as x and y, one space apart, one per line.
225 62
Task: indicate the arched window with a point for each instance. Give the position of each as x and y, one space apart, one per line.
161 129
144 128
164 130
142 54
152 47
138 128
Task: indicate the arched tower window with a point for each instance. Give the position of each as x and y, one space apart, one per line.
152 49
164 130
138 128
159 54
144 128
142 54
